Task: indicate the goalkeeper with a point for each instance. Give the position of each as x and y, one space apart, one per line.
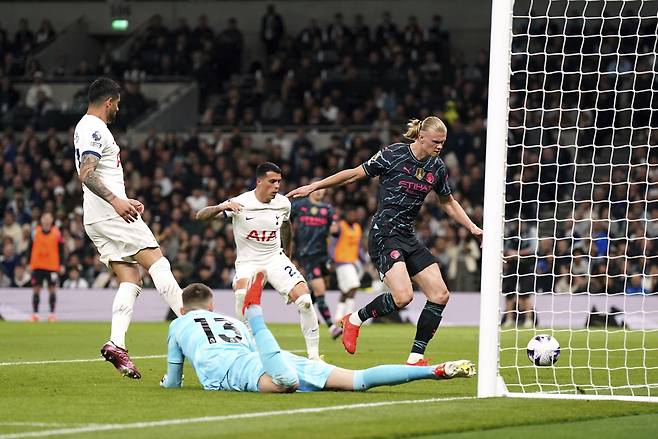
225 356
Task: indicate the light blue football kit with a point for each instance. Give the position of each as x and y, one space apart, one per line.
226 356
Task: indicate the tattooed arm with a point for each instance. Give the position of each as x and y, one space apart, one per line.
90 178
286 238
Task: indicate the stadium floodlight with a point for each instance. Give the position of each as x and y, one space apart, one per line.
570 243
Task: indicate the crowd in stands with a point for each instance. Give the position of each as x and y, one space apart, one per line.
340 76
582 175
177 174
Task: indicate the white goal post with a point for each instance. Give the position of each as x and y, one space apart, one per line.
570 242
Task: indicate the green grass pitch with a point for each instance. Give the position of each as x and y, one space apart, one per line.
90 399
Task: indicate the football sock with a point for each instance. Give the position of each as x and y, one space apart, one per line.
274 363
378 307
308 320
122 312
324 309
239 302
428 322
35 302
390 375
166 284
340 311
349 306
52 300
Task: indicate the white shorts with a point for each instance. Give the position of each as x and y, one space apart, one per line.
281 273
347 277
117 240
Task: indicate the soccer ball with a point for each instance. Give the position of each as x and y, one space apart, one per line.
543 350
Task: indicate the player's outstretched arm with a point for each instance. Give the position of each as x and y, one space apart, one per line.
90 178
211 212
456 212
174 377
338 179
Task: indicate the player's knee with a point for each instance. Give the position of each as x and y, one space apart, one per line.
440 296
403 297
161 264
304 302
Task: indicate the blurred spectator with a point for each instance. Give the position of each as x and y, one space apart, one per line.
74 280
45 33
39 92
83 69
9 260
272 110
230 47
24 37
197 200
133 104
11 229
9 98
463 259
272 30
386 30
22 278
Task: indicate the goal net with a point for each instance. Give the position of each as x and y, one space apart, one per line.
573 134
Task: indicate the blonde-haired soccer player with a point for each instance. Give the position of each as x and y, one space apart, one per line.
407 173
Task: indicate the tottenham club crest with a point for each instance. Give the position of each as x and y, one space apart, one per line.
96 136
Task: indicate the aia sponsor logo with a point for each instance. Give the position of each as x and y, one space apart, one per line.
262 236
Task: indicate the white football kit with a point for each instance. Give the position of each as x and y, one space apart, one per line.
115 239
257 231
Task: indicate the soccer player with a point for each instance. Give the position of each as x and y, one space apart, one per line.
345 252
261 226
225 356
46 250
113 222
407 173
313 221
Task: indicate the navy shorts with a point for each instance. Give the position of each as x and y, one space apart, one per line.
51 278
387 249
315 266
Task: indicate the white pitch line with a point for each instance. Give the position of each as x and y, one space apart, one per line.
81 360
91 360
41 424
136 425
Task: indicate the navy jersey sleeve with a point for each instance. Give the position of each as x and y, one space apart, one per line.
379 163
442 185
